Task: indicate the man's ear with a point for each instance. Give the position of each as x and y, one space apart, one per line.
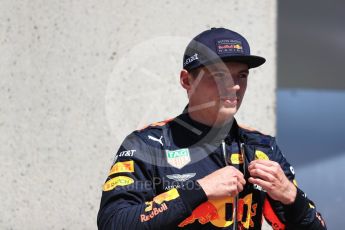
186 79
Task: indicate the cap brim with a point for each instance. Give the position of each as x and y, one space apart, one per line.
251 60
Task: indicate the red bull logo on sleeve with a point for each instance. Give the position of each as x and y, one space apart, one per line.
153 213
160 201
220 213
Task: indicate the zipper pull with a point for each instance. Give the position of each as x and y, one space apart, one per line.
224 153
235 208
243 155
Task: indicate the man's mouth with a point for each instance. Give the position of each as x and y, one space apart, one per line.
230 100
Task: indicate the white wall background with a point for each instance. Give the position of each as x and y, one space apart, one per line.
77 76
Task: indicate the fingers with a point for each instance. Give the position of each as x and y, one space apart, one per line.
234 188
239 187
257 170
266 175
270 176
238 175
242 181
262 183
266 165
227 181
235 172
237 179
264 162
265 169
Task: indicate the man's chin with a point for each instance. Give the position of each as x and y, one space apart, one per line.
225 115
227 111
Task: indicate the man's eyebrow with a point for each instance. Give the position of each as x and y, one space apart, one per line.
244 71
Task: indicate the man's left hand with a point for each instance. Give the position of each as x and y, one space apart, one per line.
270 176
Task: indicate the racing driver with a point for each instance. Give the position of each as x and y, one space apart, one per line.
201 170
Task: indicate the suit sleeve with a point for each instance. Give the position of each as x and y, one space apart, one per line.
301 214
129 199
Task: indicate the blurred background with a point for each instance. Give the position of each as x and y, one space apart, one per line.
311 100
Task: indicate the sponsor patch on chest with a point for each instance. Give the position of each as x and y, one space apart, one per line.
178 158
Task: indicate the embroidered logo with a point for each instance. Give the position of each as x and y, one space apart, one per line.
181 177
156 139
121 167
160 202
178 158
259 155
229 46
292 170
126 153
236 158
117 181
190 59
219 214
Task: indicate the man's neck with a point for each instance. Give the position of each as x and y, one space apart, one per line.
209 119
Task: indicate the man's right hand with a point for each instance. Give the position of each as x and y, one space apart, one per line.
224 182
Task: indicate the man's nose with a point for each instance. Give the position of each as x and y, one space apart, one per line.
236 86
228 87
231 83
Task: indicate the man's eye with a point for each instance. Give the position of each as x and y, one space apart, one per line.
243 75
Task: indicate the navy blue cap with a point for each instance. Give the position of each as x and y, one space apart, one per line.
219 44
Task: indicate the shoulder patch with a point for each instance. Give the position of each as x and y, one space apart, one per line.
157 124
248 128
117 181
122 167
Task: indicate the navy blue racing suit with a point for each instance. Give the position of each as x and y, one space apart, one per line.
152 183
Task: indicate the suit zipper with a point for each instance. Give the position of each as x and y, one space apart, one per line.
234 226
243 155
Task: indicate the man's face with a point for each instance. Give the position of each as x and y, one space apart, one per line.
217 91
